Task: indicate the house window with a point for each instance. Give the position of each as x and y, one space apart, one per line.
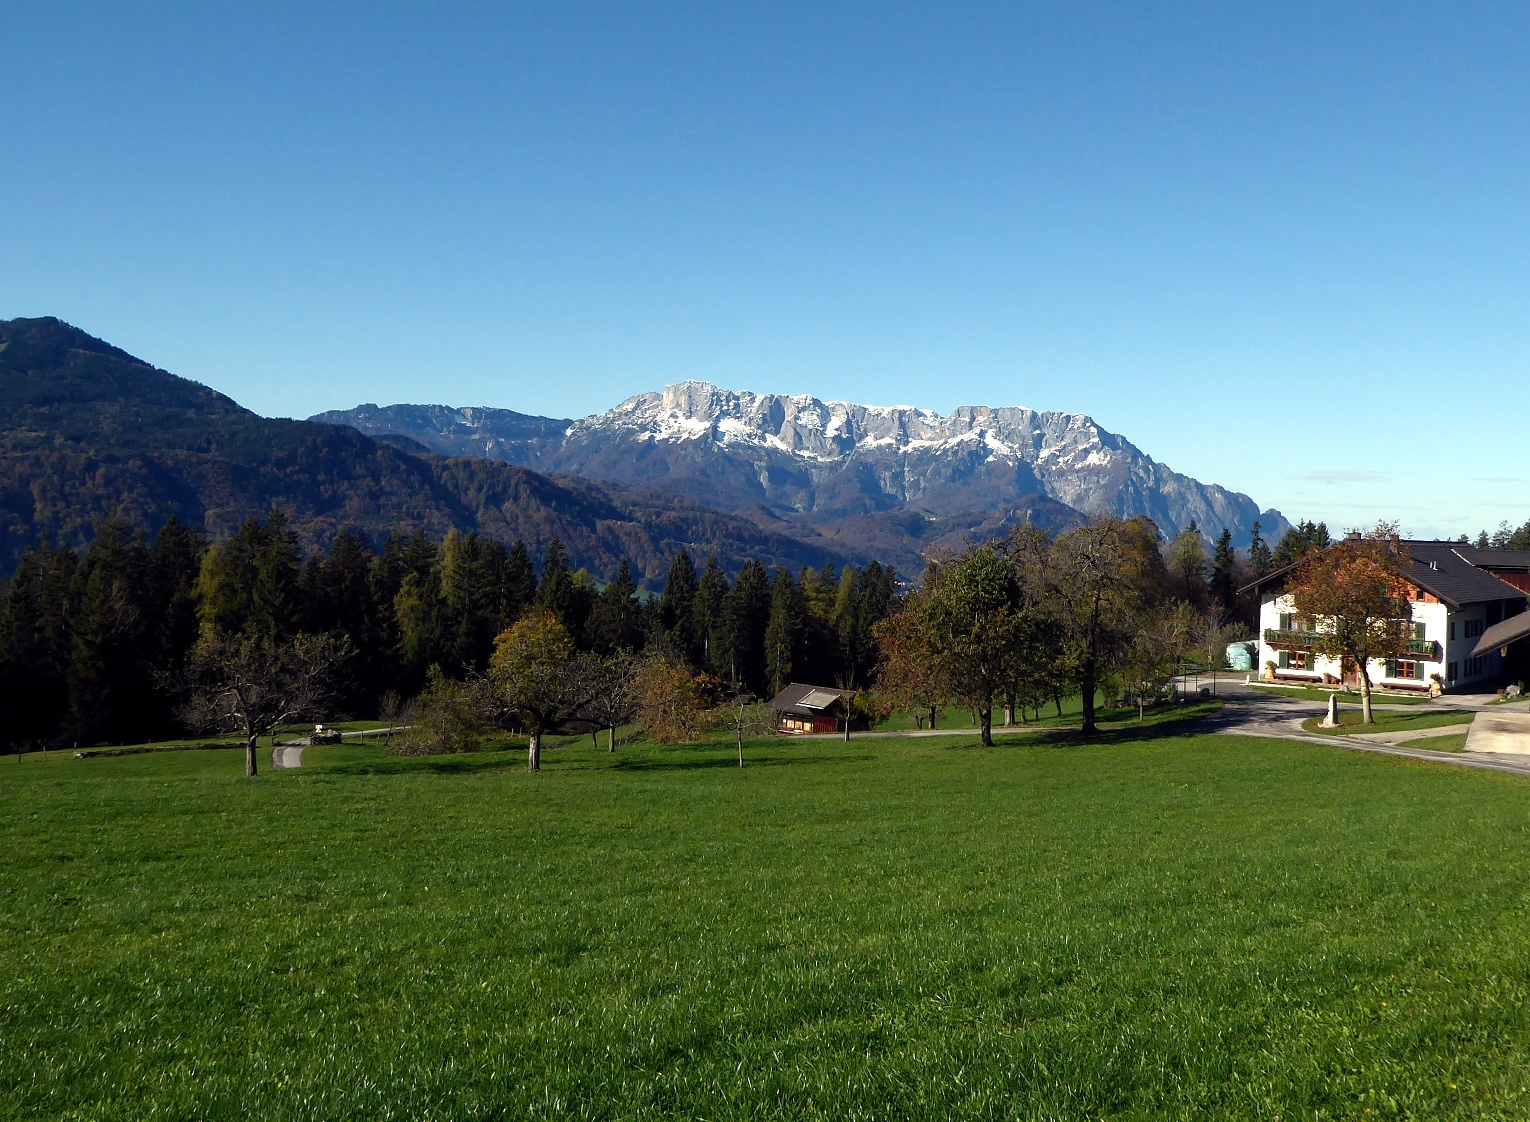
1452 631
1401 668
1473 628
1287 621
1418 630
1296 660
1474 666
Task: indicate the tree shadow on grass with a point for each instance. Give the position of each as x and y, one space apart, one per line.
695 763
463 764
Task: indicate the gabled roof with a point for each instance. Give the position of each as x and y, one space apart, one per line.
1441 568
1502 634
808 701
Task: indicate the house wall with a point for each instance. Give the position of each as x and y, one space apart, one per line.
1435 617
1467 626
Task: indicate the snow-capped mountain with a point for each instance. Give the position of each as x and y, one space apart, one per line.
817 462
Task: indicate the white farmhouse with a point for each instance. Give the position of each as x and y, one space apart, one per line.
1458 592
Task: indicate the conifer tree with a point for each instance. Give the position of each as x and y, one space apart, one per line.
707 617
677 607
616 623
745 614
783 631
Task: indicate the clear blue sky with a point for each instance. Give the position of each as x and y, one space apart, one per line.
1281 247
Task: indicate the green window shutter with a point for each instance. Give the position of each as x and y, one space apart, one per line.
1391 668
1285 659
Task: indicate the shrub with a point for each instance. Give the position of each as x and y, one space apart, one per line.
447 717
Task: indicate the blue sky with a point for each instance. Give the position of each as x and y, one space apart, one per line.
1278 247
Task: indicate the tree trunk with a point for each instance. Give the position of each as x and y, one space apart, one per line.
1366 716
534 752
932 716
847 728
1009 710
740 732
1086 681
986 715
249 755
611 740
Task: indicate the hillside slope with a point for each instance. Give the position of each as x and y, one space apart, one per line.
87 430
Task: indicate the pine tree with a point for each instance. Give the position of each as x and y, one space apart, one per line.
275 610
1300 540
520 581
111 688
707 618
36 645
745 614
616 622
677 607
783 631
1259 560
1224 575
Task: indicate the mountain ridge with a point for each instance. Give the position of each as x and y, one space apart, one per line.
88 431
816 462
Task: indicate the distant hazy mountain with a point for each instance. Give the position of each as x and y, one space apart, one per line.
844 468
87 431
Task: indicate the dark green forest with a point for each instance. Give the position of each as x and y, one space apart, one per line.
92 643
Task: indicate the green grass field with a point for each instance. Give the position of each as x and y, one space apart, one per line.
1155 925
1351 720
1308 693
1450 742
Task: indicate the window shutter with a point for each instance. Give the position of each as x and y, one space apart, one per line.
1391 668
1285 659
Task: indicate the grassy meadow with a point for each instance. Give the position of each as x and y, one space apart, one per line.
1153 925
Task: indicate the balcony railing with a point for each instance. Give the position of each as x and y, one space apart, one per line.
1288 637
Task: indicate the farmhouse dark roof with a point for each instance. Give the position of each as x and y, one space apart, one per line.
1504 560
808 701
1502 634
1443 569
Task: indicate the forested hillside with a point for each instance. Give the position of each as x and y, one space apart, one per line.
94 646
88 432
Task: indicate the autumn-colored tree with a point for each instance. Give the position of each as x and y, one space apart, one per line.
670 703
539 680
1358 598
906 676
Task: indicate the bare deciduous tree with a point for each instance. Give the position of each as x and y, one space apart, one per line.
743 715
251 686
613 694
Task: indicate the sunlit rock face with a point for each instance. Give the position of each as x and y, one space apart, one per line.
805 459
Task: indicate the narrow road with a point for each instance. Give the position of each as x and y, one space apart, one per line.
1251 712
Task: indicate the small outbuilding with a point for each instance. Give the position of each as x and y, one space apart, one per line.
802 709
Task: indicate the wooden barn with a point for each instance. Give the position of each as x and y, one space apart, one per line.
803 709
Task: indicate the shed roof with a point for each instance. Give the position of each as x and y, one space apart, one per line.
1502 560
1502 634
807 700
